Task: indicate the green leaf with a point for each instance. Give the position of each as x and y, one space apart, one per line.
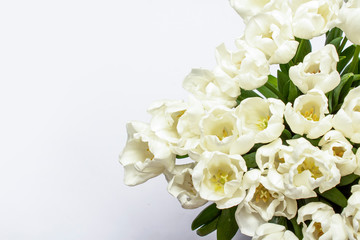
284 68
181 157
283 81
264 90
348 54
355 62
207 228
336 42
205 216
297 228
334 195
273 81
285 135
341 91
314 142
348 179
227 226
303 49
293 92
333 34
250 160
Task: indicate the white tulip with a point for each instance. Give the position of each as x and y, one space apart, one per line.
351 213
145 155
212 88
336 144
312 169
220 132
249 8
312 18
317 71
271 231
248 65
263 117
261 203
277 160
181 186
324 222
271 32
347 119
307 116
218 178
349 17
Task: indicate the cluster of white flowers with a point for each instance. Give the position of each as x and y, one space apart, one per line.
262 154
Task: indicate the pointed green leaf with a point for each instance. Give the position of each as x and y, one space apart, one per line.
205 216
334 195
207 228
348 54
332 34
283 83
250 160
227 226
293 92
336 42
348 179
264 90
246 94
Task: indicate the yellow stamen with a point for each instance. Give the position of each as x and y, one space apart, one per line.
338 151
318 230
219 180
261 193
225 133
309 164
310 115
263 123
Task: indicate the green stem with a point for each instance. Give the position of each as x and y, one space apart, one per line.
297 228
342 45
355 60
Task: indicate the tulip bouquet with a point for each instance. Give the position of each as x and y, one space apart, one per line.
276 155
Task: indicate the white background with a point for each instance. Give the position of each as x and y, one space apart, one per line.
72 73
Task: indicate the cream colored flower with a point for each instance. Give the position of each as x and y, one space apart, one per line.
347 119
349 17
270 231
336 144
218 178
220 132
248 65
351 213
249 8
212 87
263 117
261 203
324 222
181 186
145 156
312 169
317 71
271 32
313 18
276 159
307 116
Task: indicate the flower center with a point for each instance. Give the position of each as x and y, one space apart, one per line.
318 230
309 164
313 69
262 194
356 109
219 180
338 151
263 123
310 115
224 133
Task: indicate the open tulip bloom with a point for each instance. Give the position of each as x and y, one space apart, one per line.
274 156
